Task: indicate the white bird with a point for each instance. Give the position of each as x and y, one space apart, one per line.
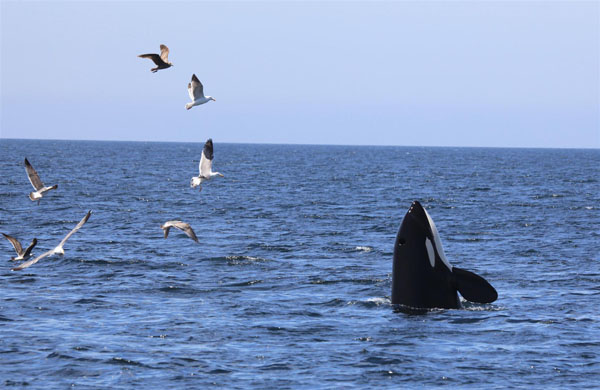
184 227
37 184
21 254
196 91
161 61
58 250
206 172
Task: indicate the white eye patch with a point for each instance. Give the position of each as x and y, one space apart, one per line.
438 242
430 252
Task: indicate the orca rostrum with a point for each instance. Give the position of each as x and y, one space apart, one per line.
422 277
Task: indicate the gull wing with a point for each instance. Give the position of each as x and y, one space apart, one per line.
206 160
166 230
79 225
15 243
164 53
33 176
32 262
195 88
154 57
167 226
187 229
30 248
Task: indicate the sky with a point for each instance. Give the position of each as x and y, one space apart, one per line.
472 73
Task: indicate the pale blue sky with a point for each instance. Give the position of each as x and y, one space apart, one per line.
379 73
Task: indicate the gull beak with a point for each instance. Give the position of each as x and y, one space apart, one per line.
222 175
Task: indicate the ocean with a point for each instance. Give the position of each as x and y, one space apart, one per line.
289 287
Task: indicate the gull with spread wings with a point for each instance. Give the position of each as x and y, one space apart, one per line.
161 61
21 254
196 91
206 172
37 184
58 250
184 227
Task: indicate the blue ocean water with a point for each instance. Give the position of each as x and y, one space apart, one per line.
289 287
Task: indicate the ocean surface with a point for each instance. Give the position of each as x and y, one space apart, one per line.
289 287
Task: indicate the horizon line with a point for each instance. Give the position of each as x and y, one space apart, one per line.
307 144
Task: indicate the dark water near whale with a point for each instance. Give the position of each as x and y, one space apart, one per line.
290 285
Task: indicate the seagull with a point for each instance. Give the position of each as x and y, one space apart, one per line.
185 227
58 250
206 172
196 91
37 184
161 61
21 254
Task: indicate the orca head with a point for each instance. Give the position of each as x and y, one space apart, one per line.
418 229
418 215
422 277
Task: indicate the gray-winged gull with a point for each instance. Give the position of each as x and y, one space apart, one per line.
196 91
58 250
206 172
37 184
184 227
21 254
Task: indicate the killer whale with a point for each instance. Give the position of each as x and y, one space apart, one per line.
422 277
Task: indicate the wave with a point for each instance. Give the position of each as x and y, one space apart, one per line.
243 284
238 258
126 362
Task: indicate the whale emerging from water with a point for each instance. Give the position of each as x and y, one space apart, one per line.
422 277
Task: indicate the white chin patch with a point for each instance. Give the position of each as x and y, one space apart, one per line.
430 251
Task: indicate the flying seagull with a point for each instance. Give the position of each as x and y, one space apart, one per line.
161 61
37 184
21 254
185 227
196 91
58 250
206 172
